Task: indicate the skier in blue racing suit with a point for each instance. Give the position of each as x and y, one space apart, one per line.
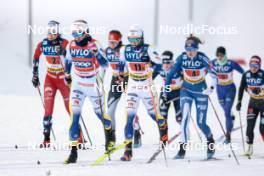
194 66
226 89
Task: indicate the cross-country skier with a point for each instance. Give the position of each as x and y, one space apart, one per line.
173 97
253 82
194 66
53 48
83 59
118 82
137 57
226 89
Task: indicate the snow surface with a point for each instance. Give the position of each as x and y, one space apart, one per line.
21 108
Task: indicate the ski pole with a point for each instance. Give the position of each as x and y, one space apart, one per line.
40 95
218 119
136 122
174 99
156 112
242 133
86 131
98 80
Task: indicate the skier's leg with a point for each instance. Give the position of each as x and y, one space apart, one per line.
96 96
132 105
252 114
97 99
177 107
186 106
49 97
149 98
114 96
163 107
77 97
261 125
201 102
229 100
137 133
221 95
65 92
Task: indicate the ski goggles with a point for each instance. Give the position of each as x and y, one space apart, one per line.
113 42
134 40
52 32
189 49
166 61
254 65
78 34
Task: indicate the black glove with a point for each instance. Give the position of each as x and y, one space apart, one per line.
257 91
68 79
179 119
238 106
35 80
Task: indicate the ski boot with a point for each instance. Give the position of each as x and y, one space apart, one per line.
182 151
249 151
81 141
210 148
47 125
46 141
73 156
109 140
228 139
128 152
137 139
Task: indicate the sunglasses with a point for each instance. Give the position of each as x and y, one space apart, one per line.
134 40
253 65
113 42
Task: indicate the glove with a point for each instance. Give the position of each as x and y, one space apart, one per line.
120 79
208 90
68 79
179 119
238 106
35 80
164 98
257 91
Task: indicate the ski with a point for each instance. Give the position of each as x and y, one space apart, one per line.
211 159
247 155
159 150
106 154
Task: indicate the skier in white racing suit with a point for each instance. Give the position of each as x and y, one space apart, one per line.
84 57
137 57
